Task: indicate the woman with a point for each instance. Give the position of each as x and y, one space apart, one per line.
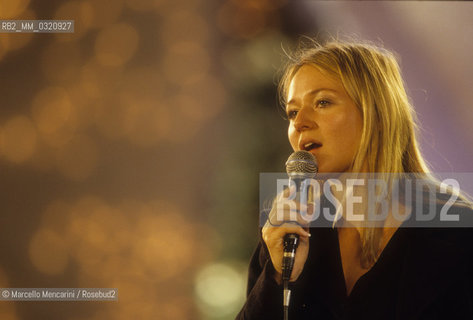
347 105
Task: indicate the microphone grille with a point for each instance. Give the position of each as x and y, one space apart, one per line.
301 163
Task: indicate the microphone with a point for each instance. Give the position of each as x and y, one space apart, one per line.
300 165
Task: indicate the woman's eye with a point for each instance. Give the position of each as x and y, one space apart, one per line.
291 114
323 103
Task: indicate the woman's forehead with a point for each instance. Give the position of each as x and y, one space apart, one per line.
310 78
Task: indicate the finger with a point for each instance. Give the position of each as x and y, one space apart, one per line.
307 214
300 214
275 235
286 193
290 228
271 233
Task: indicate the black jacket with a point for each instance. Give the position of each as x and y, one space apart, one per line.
423 273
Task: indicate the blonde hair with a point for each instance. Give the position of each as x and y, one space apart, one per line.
371 76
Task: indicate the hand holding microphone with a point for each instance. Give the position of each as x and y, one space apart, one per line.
282 241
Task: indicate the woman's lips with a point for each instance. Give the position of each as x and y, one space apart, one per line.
309 146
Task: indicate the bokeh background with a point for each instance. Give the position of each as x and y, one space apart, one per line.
130 150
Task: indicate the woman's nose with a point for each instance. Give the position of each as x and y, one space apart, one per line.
305 119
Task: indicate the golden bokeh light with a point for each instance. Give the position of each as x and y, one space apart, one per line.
185 61
184 127
143 5
161 307
18 40
267 5
143 82
7 309
111 119
43 161
8 312
196 103
96 235
177 308
61 61
12 8
3 279
170 6
4 45
90 81
140 117
48 252
214 243
55 116
184 26
137 247
135 76
116 44
142 120
91 236
85 106
78 159
164 123
52 108
57 215
160 244
96 93
240 21
137 113
148 307
209 94
165 248
81 12
85 209
18 139
105 12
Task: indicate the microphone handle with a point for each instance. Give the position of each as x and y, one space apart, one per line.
291 242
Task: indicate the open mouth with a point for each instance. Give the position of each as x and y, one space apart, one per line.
311 146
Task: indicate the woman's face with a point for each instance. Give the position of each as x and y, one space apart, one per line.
323 119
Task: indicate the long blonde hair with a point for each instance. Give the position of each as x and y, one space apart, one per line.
371 76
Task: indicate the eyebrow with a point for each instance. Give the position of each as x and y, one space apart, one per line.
312 93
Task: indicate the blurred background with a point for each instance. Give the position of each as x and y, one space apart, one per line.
130 150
